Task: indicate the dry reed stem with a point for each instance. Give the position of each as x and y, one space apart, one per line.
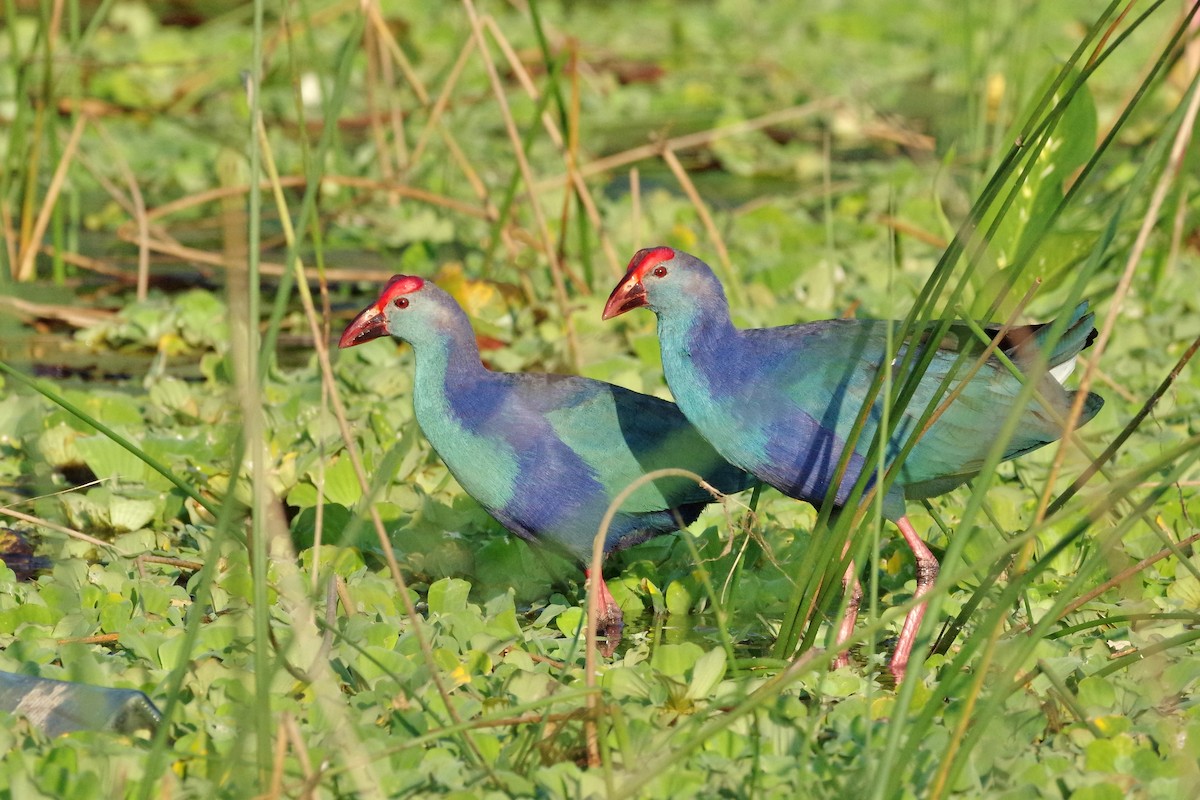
371 7
552 130
1108 32
907 228
635 194
268 268
435 122
522 75
111 189
278 759
382 152
32 244
1165 180
54 526
181 563
33 160
569 152
1122 576
1111 384
394 109
443 99
133 206
10 233
296 738
339 411
99 638
706 219
97 265
74 315
296 181
699 139
595 570
380 102
1187 68
547 242
1139 79
138 210
490 212
575 110
589 206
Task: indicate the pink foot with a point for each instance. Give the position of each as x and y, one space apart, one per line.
927 571
846 628
610 622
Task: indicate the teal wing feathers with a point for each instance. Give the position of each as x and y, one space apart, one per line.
621 435
826 370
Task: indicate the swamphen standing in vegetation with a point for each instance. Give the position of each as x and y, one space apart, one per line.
781 402
544 454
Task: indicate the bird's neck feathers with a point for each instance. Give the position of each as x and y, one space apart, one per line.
445 348
701 349
696 312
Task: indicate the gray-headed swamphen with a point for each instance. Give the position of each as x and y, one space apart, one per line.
544 454
781 402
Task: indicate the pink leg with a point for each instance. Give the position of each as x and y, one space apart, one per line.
849 584
610 621
927 571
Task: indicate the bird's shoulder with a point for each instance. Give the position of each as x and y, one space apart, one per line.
586 400
622 434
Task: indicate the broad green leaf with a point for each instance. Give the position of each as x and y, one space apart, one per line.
679 599
676 660
570 622
707 673
341 483
448 595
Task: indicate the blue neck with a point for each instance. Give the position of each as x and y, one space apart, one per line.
454 399
701 349
447 354
448 370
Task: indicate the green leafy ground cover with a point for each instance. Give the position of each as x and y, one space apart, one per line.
1066 650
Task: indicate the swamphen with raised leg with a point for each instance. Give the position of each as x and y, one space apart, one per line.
781 402
544 454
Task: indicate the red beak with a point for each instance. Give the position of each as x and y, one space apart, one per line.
629 294
370 324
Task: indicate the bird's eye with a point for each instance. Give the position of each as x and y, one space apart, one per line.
660 271
400 302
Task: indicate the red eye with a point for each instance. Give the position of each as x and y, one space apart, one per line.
400 302
660 271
